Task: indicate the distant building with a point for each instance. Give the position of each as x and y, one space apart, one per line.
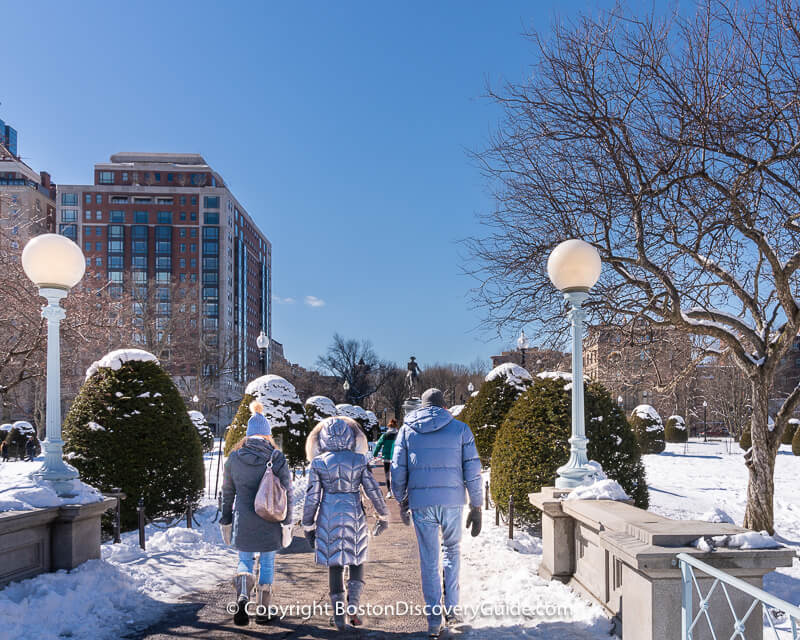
167 225
27 200
8 138
632 361
534 359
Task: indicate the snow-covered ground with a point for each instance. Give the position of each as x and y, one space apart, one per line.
712 475
128 588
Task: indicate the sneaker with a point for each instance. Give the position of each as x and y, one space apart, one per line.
434 631
453 620
356 621
389 495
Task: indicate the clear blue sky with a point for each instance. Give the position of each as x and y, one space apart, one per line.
342 127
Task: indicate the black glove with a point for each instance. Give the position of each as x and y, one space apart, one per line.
226 520
405 514
474 520
380 527
311 536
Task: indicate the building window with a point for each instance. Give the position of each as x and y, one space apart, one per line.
98 246
106 177
211 248
170 177
98 231
162 276
87 246
98 215
183 233
116 231
115 262
210 233
69 215
124 176
140 217
87 215
193 215
183 215
157 176
164 262
115 246
194 200
164 217
140 246
164 307
115 276
193 248
193 263
193 277
98 198
182 263
211 202
210 264
69 230
183 248
116 216
193 233
140 276
163 246
119 199
183 200
211 218
163 233
87 198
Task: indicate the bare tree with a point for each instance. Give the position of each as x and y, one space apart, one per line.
673 146
356 363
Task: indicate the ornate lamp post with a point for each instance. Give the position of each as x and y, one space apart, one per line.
705 423
54 264
574 268
263 344
346 387
523 344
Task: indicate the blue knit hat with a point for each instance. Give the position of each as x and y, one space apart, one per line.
258 425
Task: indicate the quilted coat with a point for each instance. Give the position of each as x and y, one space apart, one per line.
435 461
243 472
338 454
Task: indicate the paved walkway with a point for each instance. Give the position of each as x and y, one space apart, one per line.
392 575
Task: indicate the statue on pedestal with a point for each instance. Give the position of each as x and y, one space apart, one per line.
412 377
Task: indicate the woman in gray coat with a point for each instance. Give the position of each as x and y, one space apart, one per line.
252 534
333 515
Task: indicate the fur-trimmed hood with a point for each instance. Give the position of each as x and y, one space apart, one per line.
336 434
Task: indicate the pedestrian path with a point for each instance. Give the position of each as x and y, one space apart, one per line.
392 577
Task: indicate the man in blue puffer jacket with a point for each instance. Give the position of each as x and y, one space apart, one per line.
434 466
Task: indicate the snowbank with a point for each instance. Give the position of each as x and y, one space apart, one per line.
598 486
115 359
749 540
19 491
514 375
455 411
716 515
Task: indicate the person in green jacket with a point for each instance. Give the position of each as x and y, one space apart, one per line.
385 446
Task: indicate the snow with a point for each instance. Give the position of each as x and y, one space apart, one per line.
24 427
19 491
647 412
93 426
372 420
324 406
597 486
352 411
749 540
498 576
6 427
708 477
455 411
513 374
680 423
559 375
716 515
282 405
115 359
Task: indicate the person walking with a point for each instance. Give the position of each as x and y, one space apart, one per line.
334 520
384 447
30 449
435 466
251 534
4 450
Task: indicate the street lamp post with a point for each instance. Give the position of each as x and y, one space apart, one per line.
574 268
523 344
705 424
262 341
55 264
346 387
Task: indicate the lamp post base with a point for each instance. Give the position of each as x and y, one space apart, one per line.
57 472
577 469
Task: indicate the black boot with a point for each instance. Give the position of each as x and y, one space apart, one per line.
243 583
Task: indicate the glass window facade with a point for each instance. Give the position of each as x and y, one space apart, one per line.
69 199
105 177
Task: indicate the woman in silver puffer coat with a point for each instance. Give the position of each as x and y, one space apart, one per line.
333 515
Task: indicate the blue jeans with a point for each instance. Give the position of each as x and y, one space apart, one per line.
266 560
427 524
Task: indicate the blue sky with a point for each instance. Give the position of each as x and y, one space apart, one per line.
342 128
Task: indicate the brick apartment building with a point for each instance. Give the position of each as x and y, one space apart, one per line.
165 227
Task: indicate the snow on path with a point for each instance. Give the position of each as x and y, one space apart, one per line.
712 475
498 576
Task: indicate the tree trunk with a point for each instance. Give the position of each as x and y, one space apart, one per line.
758 514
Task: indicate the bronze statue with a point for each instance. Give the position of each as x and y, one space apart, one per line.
412 377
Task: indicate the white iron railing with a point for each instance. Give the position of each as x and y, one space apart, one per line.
769 603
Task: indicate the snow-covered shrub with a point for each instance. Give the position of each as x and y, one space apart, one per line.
17 437
675 429
485 412
128 427
796 442
318 408
283 410
788 434
745 441
203 429
356 413
373 426
648 428
456 410
533 442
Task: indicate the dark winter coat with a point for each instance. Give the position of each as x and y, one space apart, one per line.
385 444
244 469
333 505
30 448
435 461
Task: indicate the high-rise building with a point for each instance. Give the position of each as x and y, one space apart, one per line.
164 229
8 138
27 200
